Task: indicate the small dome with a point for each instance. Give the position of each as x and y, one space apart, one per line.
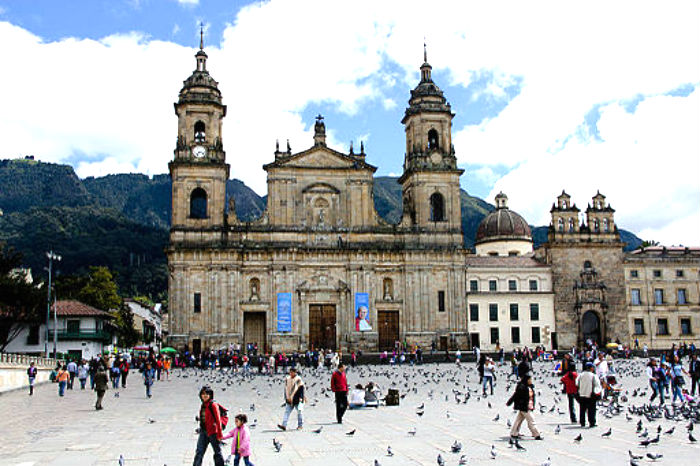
503 224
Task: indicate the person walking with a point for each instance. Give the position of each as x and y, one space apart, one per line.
93 372
124 369
589 392
677 380
569 381
83 370
63 377
100 386
523 401
31 374
694 370
294 397
72 371
210 427
654 373
489 368
114 374
339 386
240 447
148 377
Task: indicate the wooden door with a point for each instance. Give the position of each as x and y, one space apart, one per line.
322 326
474 340
254 330
388 322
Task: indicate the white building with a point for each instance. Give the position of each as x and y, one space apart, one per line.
82 332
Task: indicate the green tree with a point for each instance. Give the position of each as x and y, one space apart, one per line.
127 334
100 291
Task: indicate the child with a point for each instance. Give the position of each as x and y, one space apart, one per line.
687 397
241 443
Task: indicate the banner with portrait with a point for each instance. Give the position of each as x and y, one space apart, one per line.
284 312
362 312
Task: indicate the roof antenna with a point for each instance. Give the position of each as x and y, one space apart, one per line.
201 35
425 51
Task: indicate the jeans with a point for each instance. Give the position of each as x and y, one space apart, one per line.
300 414
115 382
31 385
572 409
82 383
676 388
70 381
341 405
124 375
202 443
488 379
658 390
61 388
92 381
148 390
588 407
246 460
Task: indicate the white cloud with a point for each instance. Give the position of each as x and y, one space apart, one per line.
389 104
176 29
188 2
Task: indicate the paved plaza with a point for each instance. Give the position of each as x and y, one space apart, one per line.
48 430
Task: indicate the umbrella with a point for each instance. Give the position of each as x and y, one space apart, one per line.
612 345
168 349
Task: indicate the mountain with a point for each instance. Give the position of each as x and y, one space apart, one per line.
121 221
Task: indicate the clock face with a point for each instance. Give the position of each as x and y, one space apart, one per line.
199 151
436 158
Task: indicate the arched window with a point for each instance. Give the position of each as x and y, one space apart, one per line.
199 132
560 224
606 225
596 225
198 203
433 139
571 225
254 289
437 208
587 265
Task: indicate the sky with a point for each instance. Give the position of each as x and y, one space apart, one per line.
582 96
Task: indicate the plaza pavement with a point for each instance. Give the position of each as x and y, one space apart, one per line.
48 430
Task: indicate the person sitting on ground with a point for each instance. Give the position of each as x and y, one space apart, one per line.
372 395
357 397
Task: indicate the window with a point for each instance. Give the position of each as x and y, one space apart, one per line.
441 301
596 225
433 139
473 285
512 285
681 296
514 311
494 335
606 225
437 208
659 296
493 312
33 335
635 297
515 335
198 203
662 327
685 327
679 273
560 225
73 326
639 326
512 253
634 273
534 311
473 312
493 285
199 132
657 273
533 285
535 334
197 302
571 225
587 265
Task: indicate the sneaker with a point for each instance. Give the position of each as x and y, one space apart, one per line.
281 427
539 437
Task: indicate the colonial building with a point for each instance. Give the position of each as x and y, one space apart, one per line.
663 294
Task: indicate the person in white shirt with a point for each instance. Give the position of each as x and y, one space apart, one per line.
489 368
357 397
589 390
601 366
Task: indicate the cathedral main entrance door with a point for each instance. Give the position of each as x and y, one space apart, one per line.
254 330
590 326
322 326
388 322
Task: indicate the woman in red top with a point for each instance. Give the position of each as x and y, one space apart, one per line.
210 431
569 381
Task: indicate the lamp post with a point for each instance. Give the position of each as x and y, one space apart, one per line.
52 256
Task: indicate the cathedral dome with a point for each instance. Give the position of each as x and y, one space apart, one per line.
503 224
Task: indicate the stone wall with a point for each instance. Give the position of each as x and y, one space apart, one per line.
13 370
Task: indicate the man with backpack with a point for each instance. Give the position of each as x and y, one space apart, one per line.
212 421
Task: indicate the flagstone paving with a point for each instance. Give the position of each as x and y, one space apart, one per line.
47 430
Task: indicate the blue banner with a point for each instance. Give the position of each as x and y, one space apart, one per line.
284 312
362 312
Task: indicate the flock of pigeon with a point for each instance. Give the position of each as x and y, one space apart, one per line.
454 390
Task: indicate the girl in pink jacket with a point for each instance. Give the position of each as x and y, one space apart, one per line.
240 446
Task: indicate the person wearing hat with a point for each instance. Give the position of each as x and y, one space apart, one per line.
589 391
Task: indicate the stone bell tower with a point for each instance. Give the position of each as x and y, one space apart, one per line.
199 170
430 180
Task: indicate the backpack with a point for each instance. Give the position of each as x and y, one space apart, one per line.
392 397
223 414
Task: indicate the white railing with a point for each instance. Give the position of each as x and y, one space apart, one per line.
25 360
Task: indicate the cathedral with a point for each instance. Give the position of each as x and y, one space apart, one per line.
322 269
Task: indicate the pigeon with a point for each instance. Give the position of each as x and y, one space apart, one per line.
121 460
654 456
388 451
151 420
579 438
376 463
670 431
456 447
495 419
557 430
412 431
116 394
276 444
493 452
633 463
317 431
508 423
352 432
462 460
691 438
607 434
633 456
548 462
440 461
420 413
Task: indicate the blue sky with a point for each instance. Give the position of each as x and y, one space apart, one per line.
547 95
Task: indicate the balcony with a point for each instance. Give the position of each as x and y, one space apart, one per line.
83 334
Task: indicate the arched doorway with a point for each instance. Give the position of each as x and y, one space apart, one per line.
590 327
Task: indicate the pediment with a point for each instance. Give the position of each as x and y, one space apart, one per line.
320 157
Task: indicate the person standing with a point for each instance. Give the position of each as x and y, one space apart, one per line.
100 386
240 447
124 369
489 368
93 372
72 371
694 370
654 374
63 377
210 428
31 374
523 401
114 374
294 397
148 377
589 391
569 381
83 370
339 386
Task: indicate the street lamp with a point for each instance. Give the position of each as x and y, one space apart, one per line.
52 256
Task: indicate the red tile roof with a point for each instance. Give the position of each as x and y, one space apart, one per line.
76 308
